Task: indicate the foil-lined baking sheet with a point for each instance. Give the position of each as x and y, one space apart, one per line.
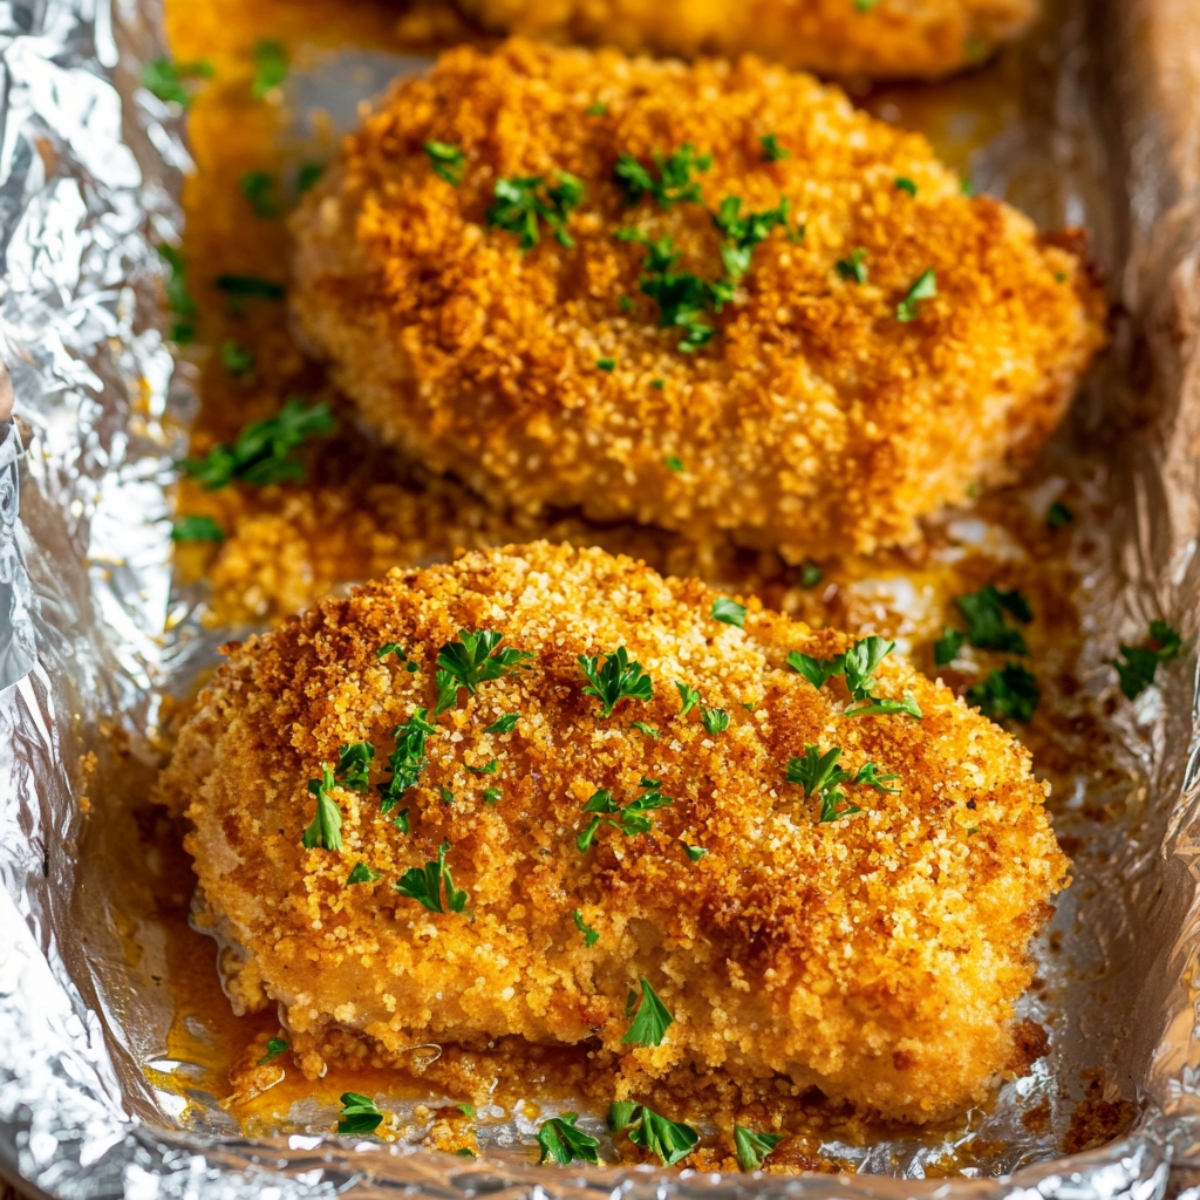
1098 129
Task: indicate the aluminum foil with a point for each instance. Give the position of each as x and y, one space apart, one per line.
89 168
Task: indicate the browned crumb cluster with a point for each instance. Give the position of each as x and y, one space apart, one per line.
876 956
891 39
816 422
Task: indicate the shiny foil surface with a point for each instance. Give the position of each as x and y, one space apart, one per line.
1106 134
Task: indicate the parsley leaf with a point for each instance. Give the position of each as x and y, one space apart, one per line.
651 1021
1059 515
561 1140
307 176
263 452
197 529
868 776
407 760
674 184
818 671
864 6
630 820
854 268
250 286
689 696
359 1114
363 874
489 768
400 820
742 234
354 764
598 109
270 67
986 627
491 795
715 720
772 151
674 463
259 188
326 827
448 162
1136 673
946 648
606 364
695 853
506 724
473 660
753 1148
179 299
669 1140
820 775
618 679
446 794
520 203
642 727
590 936
424 885
729 612
1012 692
810 575
164 78
905 185
925 288
275 1047
237 359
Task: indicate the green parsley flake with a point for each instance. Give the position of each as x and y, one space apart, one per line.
743 234
753 1148
618 679
729 612
598 109
197 529
668 1140
363 874
359 1114
946 648
275 1047
651 1022
630 820
986 628
925 288
164 78
472 660
391 648
715 720
865 6
590 936
491 795
689 697
854 268
521 202
448 162
905 185
400 821
674 184
270 67
562 1141
307 176
810 575
1012 692
1059 515
772 151
1136 673
407 760
606 364
250 287
424 885
658 385
642 727
820 775
506 724
179 299
237 359
259 188
446 794
672 463
695 853
858 665
354 765
467 1110
326 827
489 768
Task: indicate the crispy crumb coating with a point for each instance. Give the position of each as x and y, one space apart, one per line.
895 39
815 423
877 956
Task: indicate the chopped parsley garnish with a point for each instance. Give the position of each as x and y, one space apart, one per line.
618 679
596 110
179 299
400 653
359 1114
307 176
354 765
522 201
197 529
946 648
925 288
753 1148
673 463
491 795
906 185
630 820
424 885
967 186
506 724
864 6
695 853
854 268
259 188
986 627
164 78
729 612
407 761
400 820
270 67
742 234
642 727
467 1110
669 1140
820 775
1012 692
590 936
658 385
363 874
810 575
447 161
446 794
473 660
689 697
275 1047
674 184
818 671
465 1152
263 452
326 827
237 359
650 1022
858 665
561 1140
489 768
1140 665
1059 515
606 364
716 720
772 151
250 286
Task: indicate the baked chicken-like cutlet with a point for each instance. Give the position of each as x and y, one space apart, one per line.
492 797
713 298
891 39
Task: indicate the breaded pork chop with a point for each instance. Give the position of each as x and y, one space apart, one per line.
906 39
714 298
633 790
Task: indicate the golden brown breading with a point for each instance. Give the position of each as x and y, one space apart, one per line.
877 955
893 39
815 422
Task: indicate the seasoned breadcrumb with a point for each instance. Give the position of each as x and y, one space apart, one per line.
876 956
816 422
906 39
